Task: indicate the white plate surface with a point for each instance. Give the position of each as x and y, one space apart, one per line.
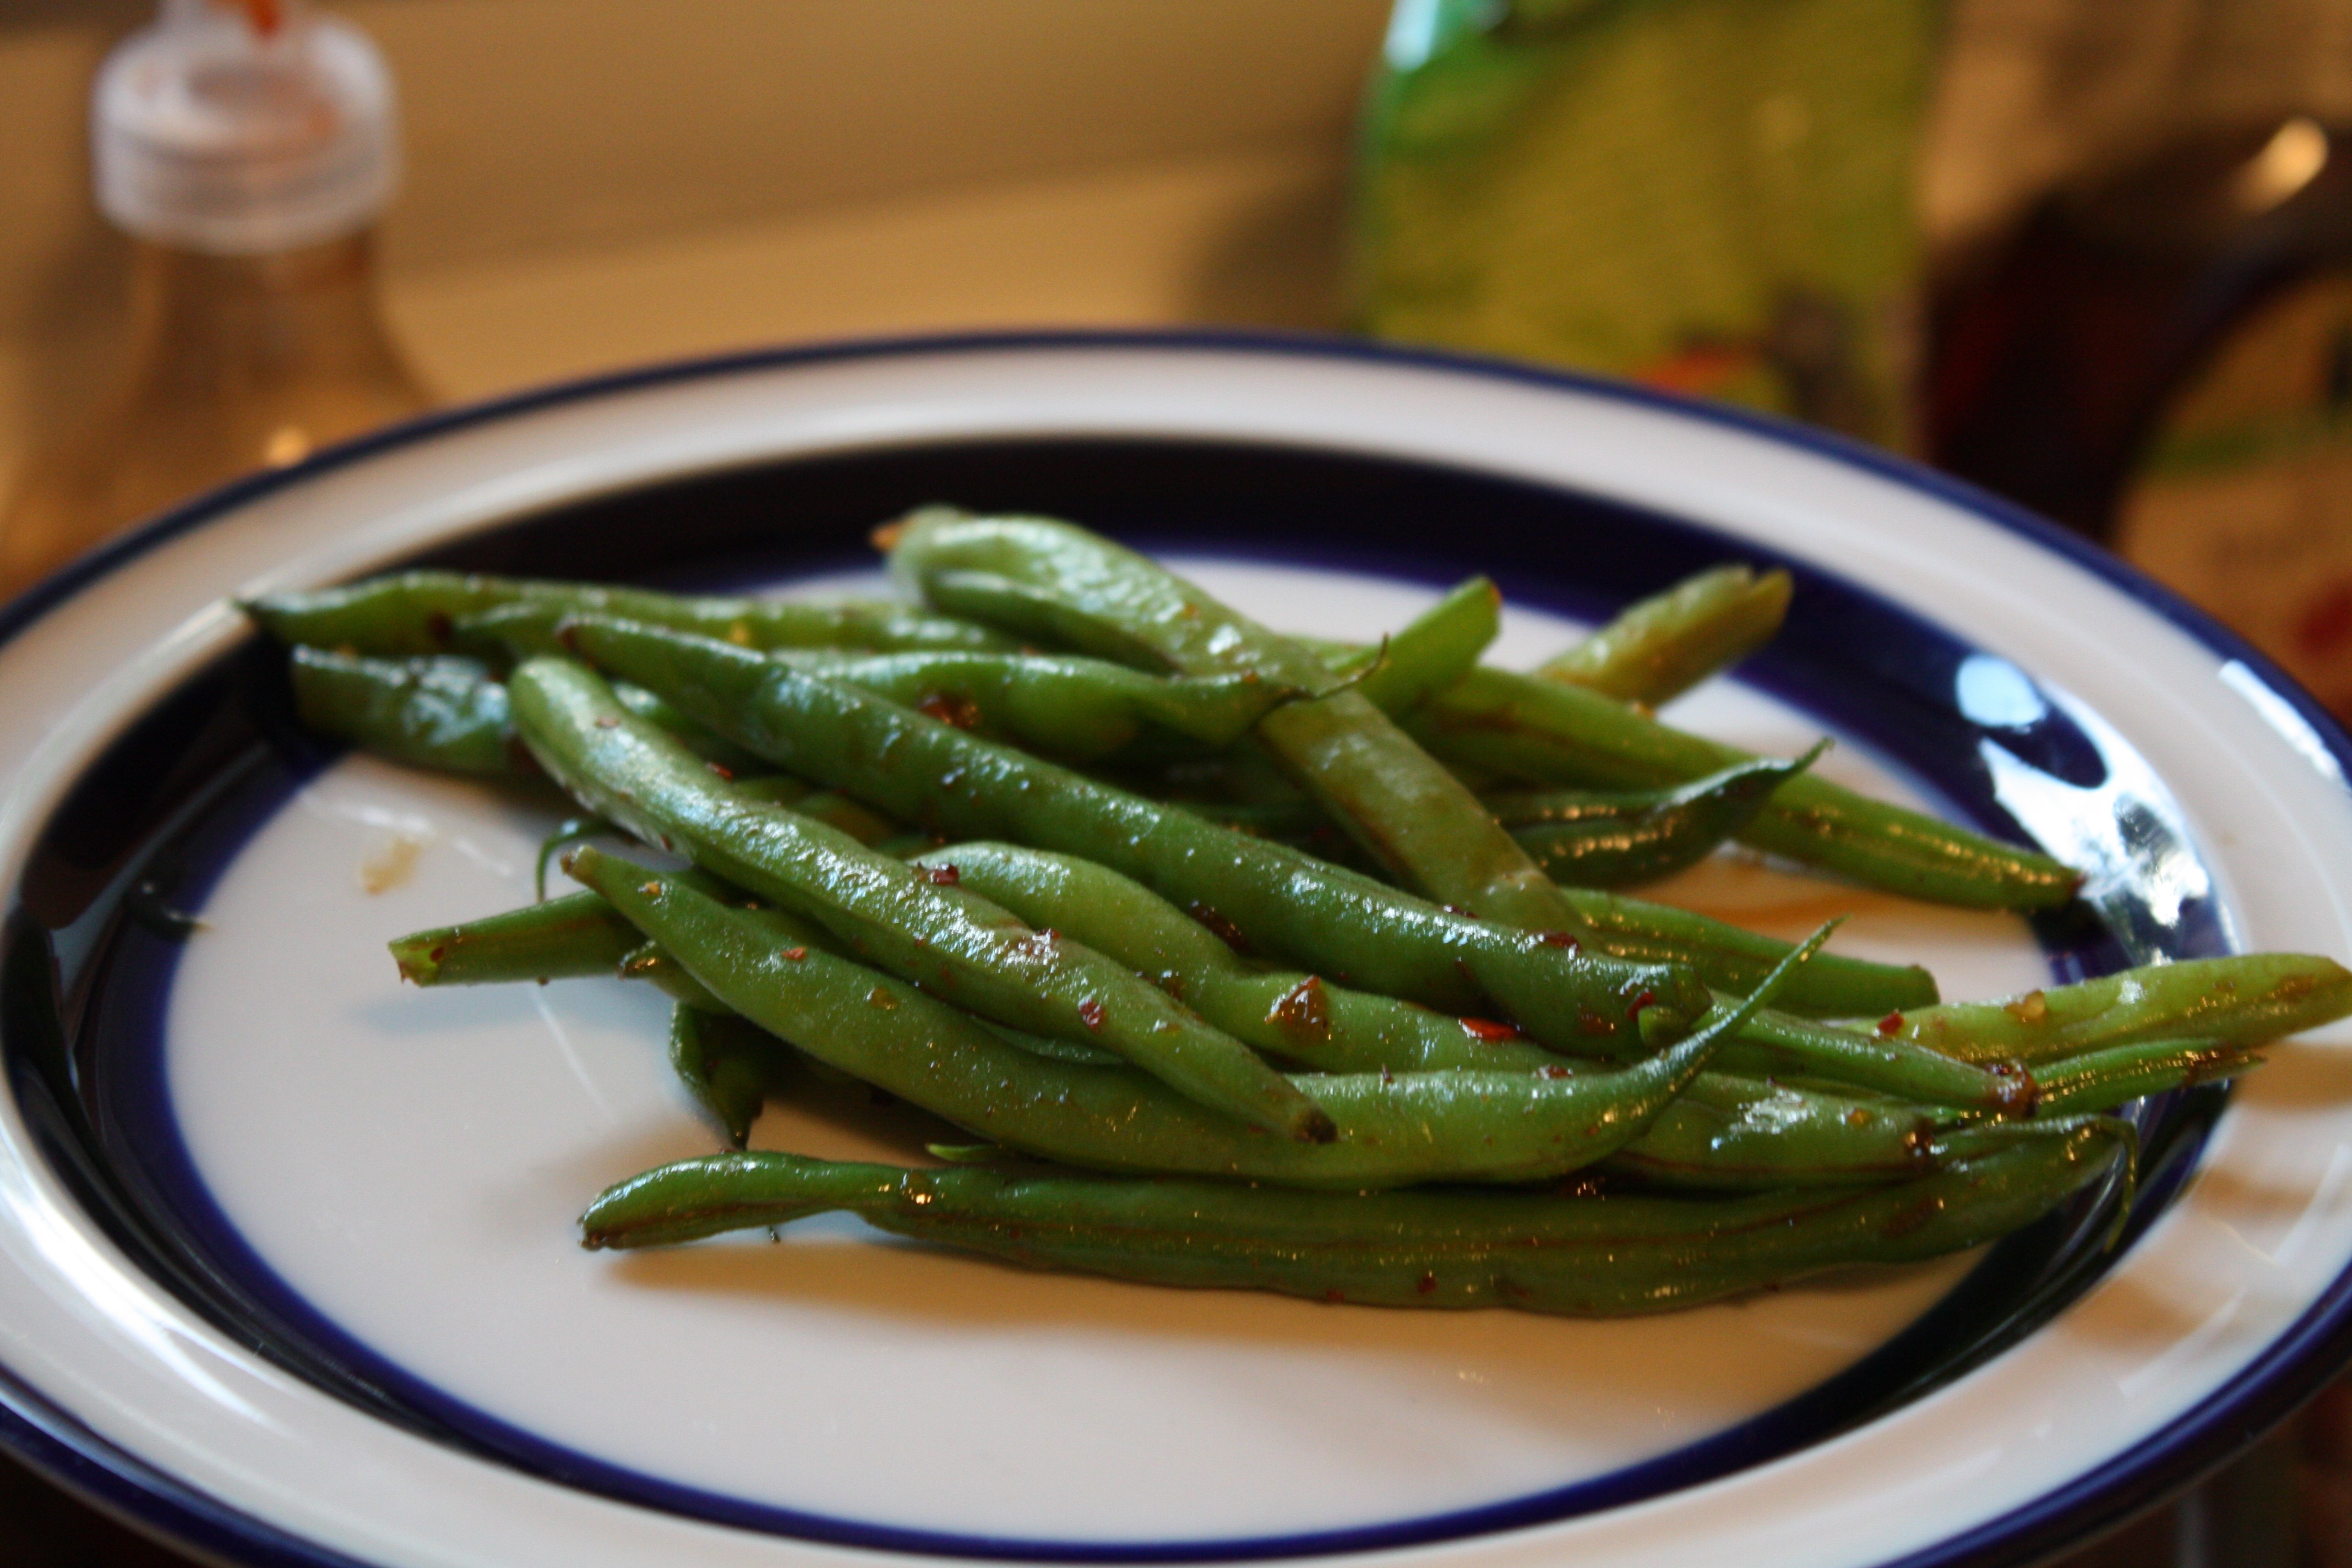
409 1163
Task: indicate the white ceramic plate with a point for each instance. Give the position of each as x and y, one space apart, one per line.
286 1259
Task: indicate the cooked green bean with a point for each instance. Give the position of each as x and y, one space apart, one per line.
630 773
2099 1080
442 713
574 935
1391 1128
1066 706
410 613
447 713
1399 803
1593 1256
1433 650
1724 1133
649 964
1592 839
1549 734
722 1062
1662 646
2244 999
1330 920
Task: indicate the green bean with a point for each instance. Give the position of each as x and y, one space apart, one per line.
1436 648
447 713
1078 708
1774 1044
649 964
1405 810
1391 1128
1610 840
722 1062
630 773
1547 733
1616 1254
1725 1132
1662 646
411 613
575 935
2099 1080
441 713
1324 918
1722 1133
2244 999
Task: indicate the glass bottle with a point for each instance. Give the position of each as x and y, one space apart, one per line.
248 153
2153 345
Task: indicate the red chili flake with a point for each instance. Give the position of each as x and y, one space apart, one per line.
1561 938
1890 1025
439 626
1427 1284
1091 1014
1458 909
606 722
721 769
1224 929
1488 1030
795 954
959 712
1646 999
1555 1072
943 875
440 951
1911 1217
1303 1010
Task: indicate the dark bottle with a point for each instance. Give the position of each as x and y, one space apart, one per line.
2057 361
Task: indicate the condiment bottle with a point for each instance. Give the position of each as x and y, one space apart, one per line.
248 151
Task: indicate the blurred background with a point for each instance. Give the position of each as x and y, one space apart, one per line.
2094 257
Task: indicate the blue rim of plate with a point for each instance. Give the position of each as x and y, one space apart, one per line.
2269 1388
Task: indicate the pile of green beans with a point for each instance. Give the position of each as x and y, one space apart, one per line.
1457 1070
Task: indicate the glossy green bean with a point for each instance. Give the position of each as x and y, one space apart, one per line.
578 934
443 713
1724 1133
722 1062
1391 1128
1655 650
2102 1079
1610 1256
1612 840
1721 1133
630 773
447 713
648 963
411 613
2245 999
1399 804
1063 705
1547 733
1287 903
1433 650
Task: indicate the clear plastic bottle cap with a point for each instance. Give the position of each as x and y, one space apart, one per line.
243 129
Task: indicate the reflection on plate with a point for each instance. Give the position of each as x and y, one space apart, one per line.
286 1261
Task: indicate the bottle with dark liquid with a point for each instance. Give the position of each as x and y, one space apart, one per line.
2160 356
